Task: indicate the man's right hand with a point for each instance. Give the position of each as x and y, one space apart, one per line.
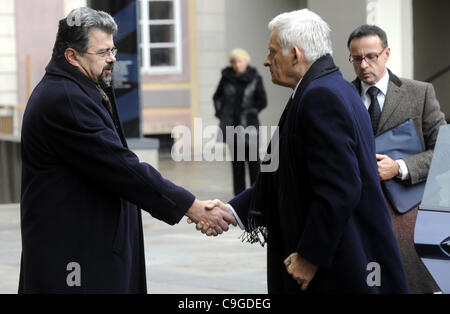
209 218
215 205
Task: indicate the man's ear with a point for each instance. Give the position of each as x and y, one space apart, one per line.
72 57
388 53
297 55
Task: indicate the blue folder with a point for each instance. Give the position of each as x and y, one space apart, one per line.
398 143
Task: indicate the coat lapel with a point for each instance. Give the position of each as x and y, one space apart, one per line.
60 67
392 108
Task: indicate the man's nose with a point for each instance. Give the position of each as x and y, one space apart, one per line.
111 58
267 62
364 64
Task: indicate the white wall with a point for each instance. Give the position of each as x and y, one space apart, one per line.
343 16
211 32
395 18
69 5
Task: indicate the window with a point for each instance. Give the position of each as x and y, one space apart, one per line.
160 36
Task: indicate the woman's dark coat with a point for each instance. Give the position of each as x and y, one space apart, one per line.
239 98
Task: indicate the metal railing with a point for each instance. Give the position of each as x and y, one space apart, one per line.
438 74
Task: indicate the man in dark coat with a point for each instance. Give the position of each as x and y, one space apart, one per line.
322 212
82 188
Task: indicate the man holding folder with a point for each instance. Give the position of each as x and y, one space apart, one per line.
391 102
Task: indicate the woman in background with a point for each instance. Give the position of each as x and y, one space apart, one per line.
238 99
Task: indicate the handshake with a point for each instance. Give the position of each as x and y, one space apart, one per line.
211 217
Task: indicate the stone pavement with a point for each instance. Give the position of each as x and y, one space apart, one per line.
179 259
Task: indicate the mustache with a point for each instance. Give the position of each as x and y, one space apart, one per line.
109 67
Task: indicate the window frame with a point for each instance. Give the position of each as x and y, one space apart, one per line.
145 45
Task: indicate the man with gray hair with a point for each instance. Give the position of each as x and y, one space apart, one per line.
322 212
82 188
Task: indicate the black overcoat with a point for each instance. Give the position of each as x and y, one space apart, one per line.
82 191
239 98
325 200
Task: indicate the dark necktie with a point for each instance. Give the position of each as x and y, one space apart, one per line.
374 109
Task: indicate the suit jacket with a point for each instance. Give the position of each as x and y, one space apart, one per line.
325 200
410 99
82 190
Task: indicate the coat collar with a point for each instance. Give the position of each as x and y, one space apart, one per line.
60 67
392 79
323 66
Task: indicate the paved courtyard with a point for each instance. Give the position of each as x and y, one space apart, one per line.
179 259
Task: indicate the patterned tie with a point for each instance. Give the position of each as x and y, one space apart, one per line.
374 109
106 98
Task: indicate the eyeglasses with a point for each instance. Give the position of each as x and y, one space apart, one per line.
105 53
370 58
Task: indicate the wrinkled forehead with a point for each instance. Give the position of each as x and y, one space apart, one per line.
273 41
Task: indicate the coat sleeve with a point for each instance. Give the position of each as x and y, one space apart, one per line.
241 205
82 138
260 95
432 119
217 98
333 172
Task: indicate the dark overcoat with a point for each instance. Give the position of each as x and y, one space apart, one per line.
325 200
239 98
82 191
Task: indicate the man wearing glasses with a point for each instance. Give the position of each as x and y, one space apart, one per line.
391 101
82 188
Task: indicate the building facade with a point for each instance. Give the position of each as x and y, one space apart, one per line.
184 44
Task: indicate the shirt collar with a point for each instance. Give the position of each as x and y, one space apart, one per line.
382 84
296 87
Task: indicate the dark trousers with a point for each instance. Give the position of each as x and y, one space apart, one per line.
239 166
239 174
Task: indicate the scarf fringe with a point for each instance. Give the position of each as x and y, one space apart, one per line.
254 233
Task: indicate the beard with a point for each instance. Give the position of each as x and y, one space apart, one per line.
107 78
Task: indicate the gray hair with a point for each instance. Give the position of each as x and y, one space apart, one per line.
74 30
303 29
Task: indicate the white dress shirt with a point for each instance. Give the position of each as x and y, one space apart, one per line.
295 89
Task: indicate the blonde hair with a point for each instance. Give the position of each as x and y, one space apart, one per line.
239 53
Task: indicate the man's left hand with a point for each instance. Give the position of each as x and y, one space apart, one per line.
387 168
300 269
